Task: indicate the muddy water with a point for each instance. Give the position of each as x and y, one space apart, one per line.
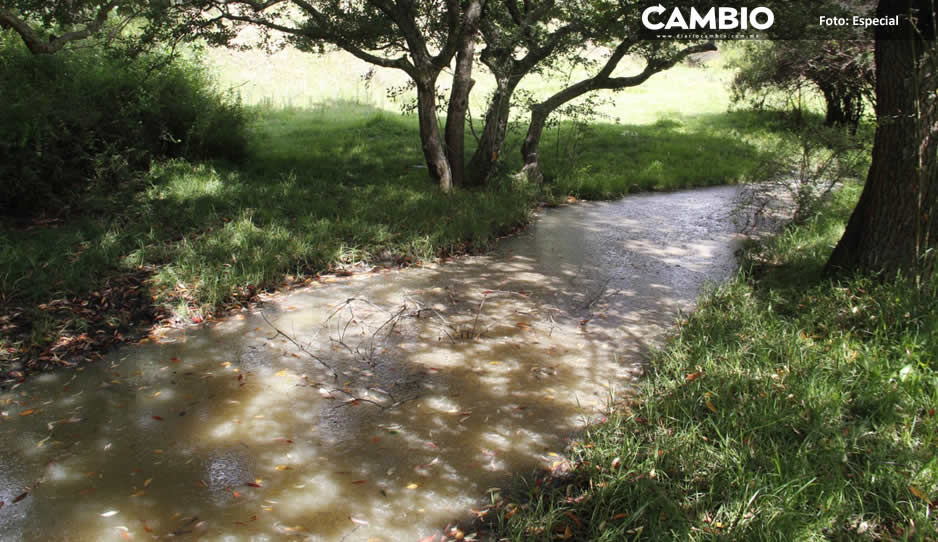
407 395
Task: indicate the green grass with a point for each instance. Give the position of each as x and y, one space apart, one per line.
788 407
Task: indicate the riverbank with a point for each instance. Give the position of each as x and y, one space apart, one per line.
787 406
326 190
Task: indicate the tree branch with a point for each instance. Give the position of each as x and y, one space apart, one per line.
38 46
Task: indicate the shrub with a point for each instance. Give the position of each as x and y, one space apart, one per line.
86 118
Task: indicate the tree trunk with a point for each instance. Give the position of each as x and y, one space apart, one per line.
530 149
894 225
483 161
459 95
433 150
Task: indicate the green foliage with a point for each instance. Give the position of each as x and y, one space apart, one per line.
83 117
788 407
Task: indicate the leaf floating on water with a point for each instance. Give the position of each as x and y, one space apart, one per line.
20 497
282 372
109 513
252 484
413 486
202 483
28 412
358 482
158 418
147 482
358 521
139 493
283 467
174 359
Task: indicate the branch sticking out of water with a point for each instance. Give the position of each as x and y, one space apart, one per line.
335 375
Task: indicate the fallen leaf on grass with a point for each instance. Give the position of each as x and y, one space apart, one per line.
620 516
690 377
574 518
919 493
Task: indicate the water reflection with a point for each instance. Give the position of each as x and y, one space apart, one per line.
445 381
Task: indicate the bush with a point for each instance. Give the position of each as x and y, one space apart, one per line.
86 118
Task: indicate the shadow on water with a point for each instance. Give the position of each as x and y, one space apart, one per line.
447 380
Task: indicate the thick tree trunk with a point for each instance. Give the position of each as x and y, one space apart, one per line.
482 164
894 225
459 95
430 137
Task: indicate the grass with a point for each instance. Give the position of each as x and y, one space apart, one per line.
787 407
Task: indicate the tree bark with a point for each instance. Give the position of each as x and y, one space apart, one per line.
482 163
893 227
455 129
433 151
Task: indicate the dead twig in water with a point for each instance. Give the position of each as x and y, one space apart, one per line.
335 375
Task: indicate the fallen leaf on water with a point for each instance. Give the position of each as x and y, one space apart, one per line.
235 494
226 364
281 373
283 467
125 535
358 521
412 486
139 493
147 528
202 483
174 359
158 418
28 412
522 325
252 484
358 482
147 482
109 513
20 497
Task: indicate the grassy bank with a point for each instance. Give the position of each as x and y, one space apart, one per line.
321 189
788 407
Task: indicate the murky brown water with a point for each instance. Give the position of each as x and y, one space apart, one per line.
448 380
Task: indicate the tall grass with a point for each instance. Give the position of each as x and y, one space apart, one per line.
788 407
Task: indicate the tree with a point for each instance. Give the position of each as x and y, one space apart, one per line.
894 227
533 37
49 26
842 70
659 56
419 37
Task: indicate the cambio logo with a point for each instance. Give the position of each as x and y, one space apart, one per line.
717 18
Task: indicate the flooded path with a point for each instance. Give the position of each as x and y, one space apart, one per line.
389 404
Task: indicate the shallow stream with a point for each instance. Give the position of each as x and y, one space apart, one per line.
387 405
